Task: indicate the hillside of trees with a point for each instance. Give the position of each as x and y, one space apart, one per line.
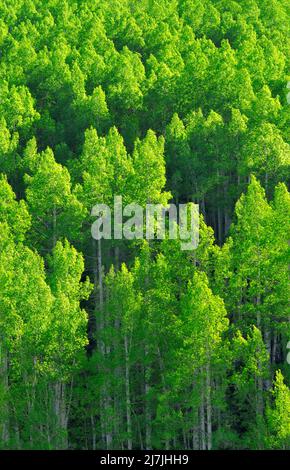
130 344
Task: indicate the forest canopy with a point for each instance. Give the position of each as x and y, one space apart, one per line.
129 344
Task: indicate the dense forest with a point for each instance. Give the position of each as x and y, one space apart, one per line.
131 344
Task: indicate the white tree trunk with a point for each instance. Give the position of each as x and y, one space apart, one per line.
208 408
5 385
128 400
202 422
148 417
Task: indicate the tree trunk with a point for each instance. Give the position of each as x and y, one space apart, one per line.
54 227
274 349
259 397
202 421
195 441
219 226
128 400
162 371
60 411
5 384
93 427
148 417
267 339
208 408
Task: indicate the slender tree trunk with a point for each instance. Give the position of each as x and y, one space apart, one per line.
184 439
140 435
93 427
56 409
5 385
17 436
107 399
128 400
267 339
219 225
48 414
60 414
100 271
54 227
227 219
195 443
162 371
274 349
259 381
97 263
203 208
118 416
202 421
148 416
219 213
117 257
208 407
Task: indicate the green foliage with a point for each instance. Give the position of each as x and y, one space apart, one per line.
279 415
155 101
